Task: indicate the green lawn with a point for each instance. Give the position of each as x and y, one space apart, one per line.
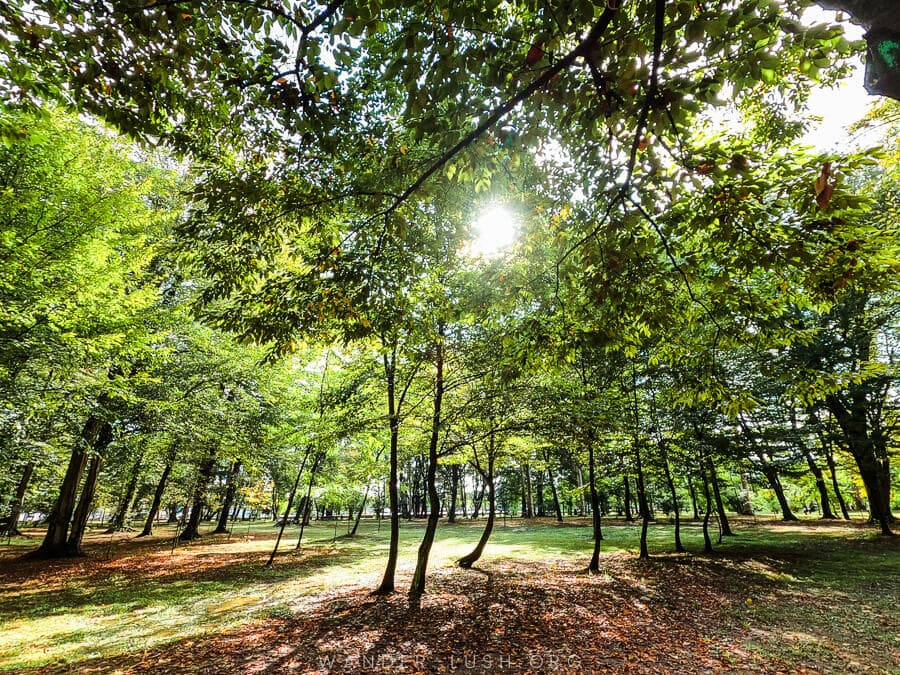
814 596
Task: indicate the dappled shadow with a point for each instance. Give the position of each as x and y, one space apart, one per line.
536 617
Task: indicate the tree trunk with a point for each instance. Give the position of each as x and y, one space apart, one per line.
673 495
417 587
18 501
832 469
628 515
58 521
720 506
467 561
594 565
387 582
83 510
692 490
771 474
192 529
553 491
230 490
360 512
454 488
707 540
304 521
476 505
539 492
157 496
287 510
643 505
119 519
827 513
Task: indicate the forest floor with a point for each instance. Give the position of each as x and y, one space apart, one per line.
807 597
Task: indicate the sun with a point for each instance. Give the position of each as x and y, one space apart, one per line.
495 231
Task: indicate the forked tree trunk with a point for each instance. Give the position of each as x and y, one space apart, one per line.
83 510
12 528
97 435
230 490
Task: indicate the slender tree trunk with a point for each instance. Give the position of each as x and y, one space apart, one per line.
454 488
643 506
317 460
120 518
553 491
628 516
157 496
360 512
192 529
476 505
707 541
827 513
832 469
230 490
771 474
387 582
19 500
417 587
539 493
720 506
594 565
579 476
693 493
287 510
467 561
673 495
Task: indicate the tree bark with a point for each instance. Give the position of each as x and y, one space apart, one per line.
304 521
553 491
832 469
707 540
628 515
594 565
360 512
158 494
827 513
467 561
720 506
192 529
18 501
643 506
387 582
417 587
692 490
230 490
454 488
771 474
673 495
83 510
121 516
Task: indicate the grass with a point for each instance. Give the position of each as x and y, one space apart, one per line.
806 595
